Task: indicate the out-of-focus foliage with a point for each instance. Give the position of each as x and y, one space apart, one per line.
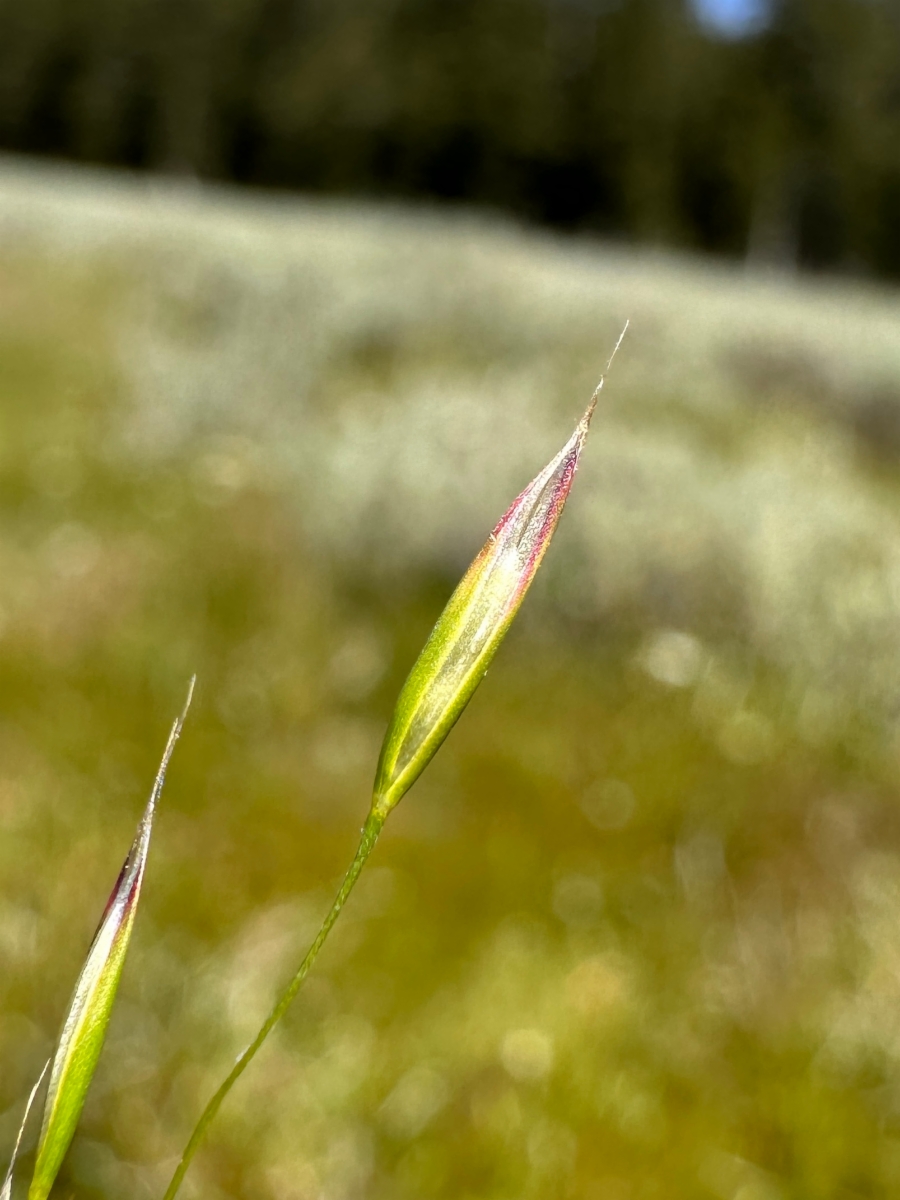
624 116
635 933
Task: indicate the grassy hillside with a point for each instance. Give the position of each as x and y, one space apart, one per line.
637 931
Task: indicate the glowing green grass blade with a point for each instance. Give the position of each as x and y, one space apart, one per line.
84 1030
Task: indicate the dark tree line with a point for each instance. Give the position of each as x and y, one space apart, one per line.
621 116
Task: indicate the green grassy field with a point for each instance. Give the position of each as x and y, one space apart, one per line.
636 933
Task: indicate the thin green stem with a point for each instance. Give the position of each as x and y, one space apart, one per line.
367 840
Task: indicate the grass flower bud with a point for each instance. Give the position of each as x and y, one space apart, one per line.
447 672
84 1030
472 626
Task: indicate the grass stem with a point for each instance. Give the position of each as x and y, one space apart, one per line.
369 836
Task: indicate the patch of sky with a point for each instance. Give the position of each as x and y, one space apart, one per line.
732 18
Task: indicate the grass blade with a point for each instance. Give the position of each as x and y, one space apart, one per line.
81 1040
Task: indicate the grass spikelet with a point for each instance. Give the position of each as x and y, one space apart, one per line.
441 683
469 631
84 1030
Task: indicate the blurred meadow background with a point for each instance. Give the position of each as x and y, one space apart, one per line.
636 932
